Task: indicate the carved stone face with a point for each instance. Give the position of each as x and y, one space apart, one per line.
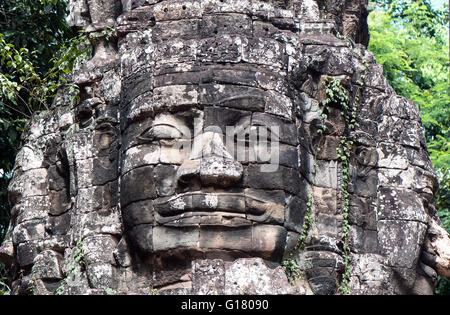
213 172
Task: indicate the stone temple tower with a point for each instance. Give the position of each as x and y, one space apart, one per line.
213 143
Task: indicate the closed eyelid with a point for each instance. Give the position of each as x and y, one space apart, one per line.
165 131
160 132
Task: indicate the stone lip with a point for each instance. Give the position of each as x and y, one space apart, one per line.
206 203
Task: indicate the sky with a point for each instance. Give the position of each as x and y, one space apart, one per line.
438 3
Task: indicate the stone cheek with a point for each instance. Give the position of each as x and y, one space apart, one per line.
106 187
400 242
137 185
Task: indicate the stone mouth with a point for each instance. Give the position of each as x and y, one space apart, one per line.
213 203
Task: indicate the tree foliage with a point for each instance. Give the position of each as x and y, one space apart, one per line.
37 50
411 40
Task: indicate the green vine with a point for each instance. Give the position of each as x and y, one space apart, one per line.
291 269
289 265
338 95
75 266
307 224
108 33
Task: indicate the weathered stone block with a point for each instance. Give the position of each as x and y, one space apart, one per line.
28 231
233 6
142 155
97 197
136 213
208 277
363 212
231 23
325 174
268 241
177 10
172 155
142 238
252 276
165 238
267 52
267 204
322 270
175 52
366 156
165 179
363 240
183 29
101 276
364 181
58 225
31 183
105 169
226 48
326 200
295 212
33 208
400 242
400 204
226 238
99 222
392 156
47 265
146 190
171 97
26 252
99 249
285 178
234 96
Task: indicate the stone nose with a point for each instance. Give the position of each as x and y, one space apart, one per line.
211 162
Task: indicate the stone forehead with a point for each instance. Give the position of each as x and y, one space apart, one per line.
174 10
237 54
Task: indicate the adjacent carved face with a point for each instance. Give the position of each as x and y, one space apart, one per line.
212 173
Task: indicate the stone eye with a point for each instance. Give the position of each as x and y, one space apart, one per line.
161 132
